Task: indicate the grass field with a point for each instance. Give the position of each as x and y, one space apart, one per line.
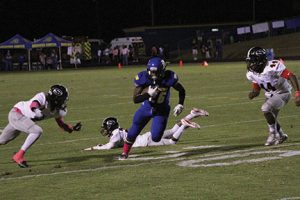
225 159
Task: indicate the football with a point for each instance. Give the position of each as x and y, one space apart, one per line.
145 90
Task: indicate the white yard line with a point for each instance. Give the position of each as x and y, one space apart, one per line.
176 156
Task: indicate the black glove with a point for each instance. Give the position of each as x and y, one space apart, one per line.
77 127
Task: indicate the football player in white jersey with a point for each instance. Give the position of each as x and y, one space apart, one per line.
117 136
274 78
24 114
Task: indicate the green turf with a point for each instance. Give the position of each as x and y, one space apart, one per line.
235 127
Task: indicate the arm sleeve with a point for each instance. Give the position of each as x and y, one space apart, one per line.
63 125
181 91
286 74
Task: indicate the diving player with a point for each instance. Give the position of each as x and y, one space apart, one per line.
110 127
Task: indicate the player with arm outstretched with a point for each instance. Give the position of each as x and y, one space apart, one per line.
110 127
273 77
155 102
24 114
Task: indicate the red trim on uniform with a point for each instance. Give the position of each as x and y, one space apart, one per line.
18 110
286 74
297 93
126 148
255 87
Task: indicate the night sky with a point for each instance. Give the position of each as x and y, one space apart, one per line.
106 19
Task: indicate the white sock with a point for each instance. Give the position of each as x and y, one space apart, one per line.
31 138
175 128
179 132
172 141
271 127
189 116
168 133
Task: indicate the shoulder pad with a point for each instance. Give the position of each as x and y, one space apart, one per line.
141 78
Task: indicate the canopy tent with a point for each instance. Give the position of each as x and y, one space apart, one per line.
18 42
52 40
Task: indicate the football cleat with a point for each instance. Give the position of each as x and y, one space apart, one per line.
197 112
271 139
123 156
280 138
20 161
189 123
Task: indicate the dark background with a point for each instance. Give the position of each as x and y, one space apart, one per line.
106 19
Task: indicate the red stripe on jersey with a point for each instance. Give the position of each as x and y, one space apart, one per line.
286 74
255 87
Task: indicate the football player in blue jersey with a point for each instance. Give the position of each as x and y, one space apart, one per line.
152 89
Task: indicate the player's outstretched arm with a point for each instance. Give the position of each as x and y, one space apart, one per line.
67 127
106 146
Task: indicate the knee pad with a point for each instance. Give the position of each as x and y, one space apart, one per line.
36 130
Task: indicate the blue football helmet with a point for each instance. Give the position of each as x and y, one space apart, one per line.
156 68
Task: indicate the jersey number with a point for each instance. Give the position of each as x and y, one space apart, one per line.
268 88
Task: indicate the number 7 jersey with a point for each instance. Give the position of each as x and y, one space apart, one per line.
271 79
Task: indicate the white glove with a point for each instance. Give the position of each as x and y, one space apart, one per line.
151 91
178 109
38 114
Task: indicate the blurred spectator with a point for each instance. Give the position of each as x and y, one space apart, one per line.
154 51
219 50
8 61
106 55
42 59
195 52
99 54
21 60
203 51
135 53
75 57
115 55
161 52
130 57
54 58
125 55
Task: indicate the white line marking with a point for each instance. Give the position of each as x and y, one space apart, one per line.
203 147
140 164
193 163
